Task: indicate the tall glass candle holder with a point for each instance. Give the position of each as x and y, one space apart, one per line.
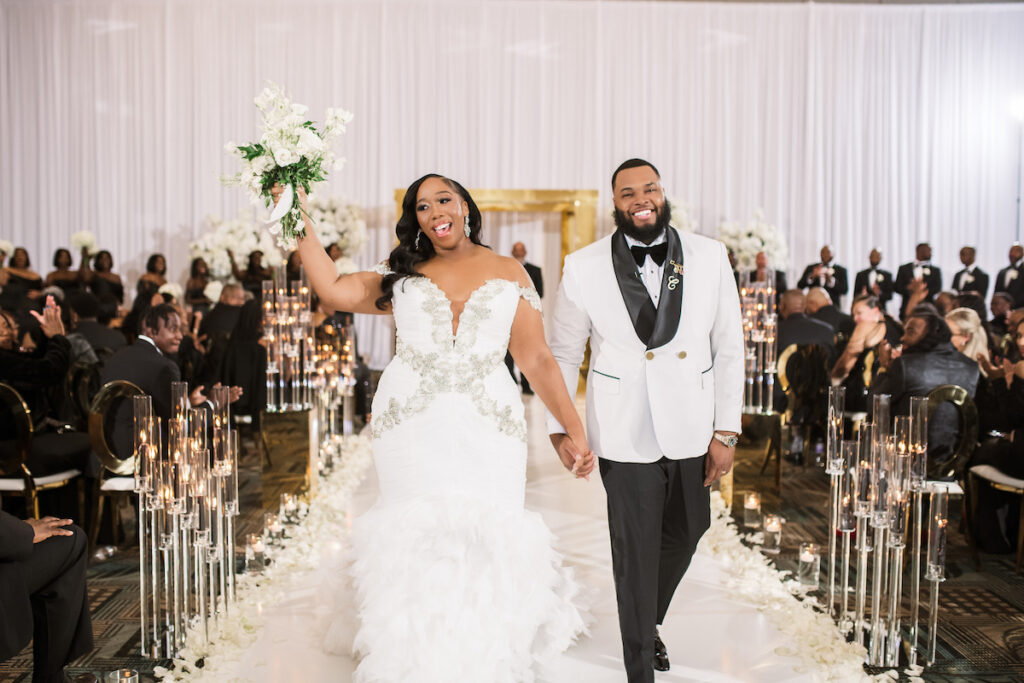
936 566
918 477
772 525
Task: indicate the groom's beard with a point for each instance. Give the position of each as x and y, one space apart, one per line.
624 222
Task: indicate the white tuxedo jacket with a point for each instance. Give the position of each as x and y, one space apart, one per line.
644 403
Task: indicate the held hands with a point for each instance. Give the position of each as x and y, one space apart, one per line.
718 462
575 455
49 320
48 526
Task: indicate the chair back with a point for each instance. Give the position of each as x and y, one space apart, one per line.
967 441
13 463
109 395
806 383
781 365
80 384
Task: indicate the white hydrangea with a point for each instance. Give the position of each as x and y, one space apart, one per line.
6 248
338 222
242 235
746 240
174 289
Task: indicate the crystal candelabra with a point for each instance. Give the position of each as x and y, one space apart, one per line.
760 325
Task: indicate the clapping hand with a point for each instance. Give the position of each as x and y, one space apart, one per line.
887 354
49 320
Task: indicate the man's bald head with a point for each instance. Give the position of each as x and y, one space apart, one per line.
792 302
232 294
817 298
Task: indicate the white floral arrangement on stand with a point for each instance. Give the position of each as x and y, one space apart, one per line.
325 518
83 240
242 235
291 152
339 222
681 217
6 248
747 239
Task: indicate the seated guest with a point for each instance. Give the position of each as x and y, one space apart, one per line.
973 301
100 279
820 307
147 365
223 317
996 520
796 328
253 276
826 274
859 363
944 302
81 349
86 308
970 278
63 276
1001 305
17 278
927 360
873 280
155 276
35 376
918 277
1011 278
760 273
43 596
195 288
969 338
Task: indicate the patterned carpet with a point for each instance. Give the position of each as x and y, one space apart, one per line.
981 634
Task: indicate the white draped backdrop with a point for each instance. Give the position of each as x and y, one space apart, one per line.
850 124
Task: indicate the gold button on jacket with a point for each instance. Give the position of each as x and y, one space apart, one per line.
650 355
681 354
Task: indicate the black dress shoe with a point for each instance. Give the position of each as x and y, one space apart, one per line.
660 654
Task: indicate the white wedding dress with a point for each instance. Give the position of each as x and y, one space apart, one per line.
453 579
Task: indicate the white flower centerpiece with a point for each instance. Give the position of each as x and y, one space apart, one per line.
342 223
291 152
242 235
747 239
681 217
83 240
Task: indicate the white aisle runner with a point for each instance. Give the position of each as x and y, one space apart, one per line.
710 634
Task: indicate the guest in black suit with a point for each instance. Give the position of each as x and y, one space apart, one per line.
146 364
970 278
223 317
760 274
86 307
873 280
42 593
912 276
1011 278
796 328
519 254
820 307
826 274
928 360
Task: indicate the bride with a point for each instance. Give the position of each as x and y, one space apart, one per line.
454 580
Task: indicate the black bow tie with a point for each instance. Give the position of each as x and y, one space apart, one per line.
658 252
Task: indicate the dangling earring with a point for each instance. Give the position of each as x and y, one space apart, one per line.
416 244
466 228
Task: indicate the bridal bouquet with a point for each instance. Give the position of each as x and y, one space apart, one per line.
6 248
291 151
83 239
746 240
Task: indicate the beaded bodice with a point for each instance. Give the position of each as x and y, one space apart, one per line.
447 360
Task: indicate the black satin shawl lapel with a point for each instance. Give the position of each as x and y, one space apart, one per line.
634 294
670 302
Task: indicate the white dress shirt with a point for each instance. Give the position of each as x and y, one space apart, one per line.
651 273
962 279
1009 276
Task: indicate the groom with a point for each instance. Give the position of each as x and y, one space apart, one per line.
664 393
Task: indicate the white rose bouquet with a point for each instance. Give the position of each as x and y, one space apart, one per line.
83 239
213 289
291 151
6 248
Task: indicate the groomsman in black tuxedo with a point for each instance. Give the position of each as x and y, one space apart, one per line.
42 594
826 274
1011 278
970 278
519 254
919 270
760 274
874 280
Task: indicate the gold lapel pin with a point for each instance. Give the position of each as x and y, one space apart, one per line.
677 267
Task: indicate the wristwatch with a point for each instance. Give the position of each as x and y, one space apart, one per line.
730 440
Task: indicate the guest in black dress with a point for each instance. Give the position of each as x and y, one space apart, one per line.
101 279
63 277
859 363
245 365
253 276
155 276
18 279
195 288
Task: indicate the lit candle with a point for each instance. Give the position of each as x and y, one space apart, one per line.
772 524
752 500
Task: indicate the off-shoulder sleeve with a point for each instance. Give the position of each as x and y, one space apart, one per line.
531 297
382 269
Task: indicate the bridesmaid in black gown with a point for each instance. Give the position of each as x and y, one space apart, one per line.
63 277
101 279
195 294
18 279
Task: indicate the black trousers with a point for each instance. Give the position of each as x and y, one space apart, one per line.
54 577
657 513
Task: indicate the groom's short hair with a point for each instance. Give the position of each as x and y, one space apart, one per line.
632 163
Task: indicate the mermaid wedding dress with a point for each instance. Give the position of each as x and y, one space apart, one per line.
453 579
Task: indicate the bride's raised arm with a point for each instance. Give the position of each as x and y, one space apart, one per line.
355 292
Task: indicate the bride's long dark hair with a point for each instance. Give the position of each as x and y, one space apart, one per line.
406 256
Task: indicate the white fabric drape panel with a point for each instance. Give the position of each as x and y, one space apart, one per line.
857 125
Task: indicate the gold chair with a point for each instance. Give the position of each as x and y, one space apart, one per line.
15 477
996 479
773 449
968 439
120 487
